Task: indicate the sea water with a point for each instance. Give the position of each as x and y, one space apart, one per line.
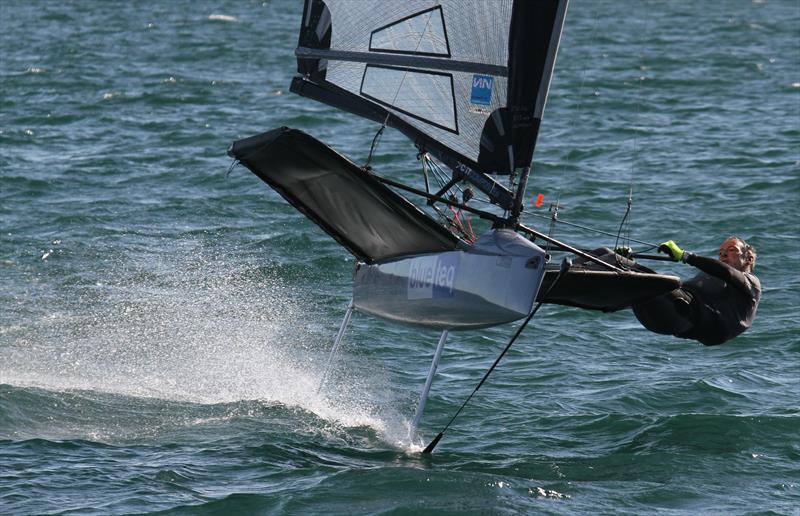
164 325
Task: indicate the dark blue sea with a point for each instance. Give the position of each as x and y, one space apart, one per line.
164 325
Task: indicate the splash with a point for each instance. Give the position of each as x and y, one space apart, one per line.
193 327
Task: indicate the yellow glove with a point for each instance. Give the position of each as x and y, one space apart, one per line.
671 248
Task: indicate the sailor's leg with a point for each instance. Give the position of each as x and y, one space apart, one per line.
425 390
668 314
336 343
600 251
607 255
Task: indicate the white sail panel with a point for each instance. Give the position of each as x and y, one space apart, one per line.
476 30
425 96
422 33
468 118
464 79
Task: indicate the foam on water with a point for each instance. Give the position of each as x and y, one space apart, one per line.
222 17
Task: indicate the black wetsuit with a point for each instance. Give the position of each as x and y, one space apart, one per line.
715 306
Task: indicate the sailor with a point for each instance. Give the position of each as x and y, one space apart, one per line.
716 305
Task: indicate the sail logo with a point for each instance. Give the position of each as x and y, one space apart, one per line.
482 89
432 277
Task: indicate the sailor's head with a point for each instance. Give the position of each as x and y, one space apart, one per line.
737 253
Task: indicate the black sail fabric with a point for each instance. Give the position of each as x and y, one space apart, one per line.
350 204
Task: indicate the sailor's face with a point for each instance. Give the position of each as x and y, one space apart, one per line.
732 253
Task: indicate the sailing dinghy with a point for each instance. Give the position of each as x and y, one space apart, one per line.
466 81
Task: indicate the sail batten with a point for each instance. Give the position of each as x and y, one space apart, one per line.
397 59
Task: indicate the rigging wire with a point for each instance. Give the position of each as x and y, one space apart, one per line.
594 230
624 220
623 232
565 265
460 222
463 227
638 96
553 220
440 176
376 139
625 224
230 169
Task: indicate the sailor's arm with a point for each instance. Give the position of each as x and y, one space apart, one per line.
720 270
716 268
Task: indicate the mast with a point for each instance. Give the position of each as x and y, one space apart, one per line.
533 45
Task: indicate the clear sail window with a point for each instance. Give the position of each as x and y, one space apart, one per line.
424 95
422 33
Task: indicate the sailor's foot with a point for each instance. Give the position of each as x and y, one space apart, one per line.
624 251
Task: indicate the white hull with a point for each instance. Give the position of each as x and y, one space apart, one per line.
492 282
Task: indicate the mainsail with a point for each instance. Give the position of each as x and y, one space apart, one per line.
465 80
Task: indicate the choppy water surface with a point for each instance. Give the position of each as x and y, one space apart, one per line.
163 327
